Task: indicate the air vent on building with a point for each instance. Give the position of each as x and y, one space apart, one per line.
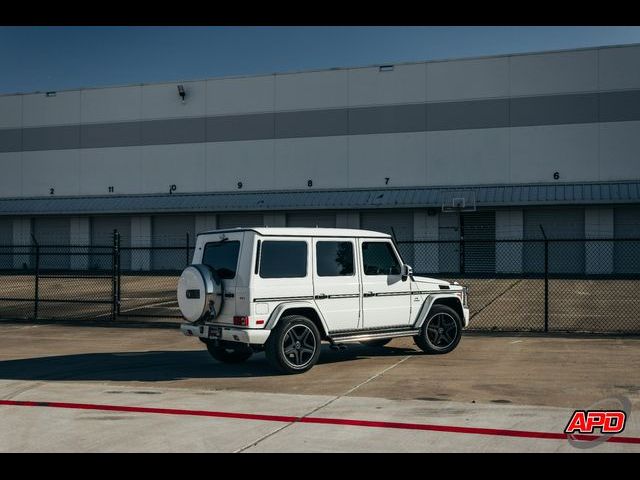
385 68
50 94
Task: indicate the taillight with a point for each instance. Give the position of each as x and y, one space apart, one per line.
241 321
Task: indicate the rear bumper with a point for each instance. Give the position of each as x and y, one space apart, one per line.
253 336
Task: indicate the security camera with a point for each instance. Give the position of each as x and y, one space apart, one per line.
181 92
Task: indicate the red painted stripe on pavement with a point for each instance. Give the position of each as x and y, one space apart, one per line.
320 420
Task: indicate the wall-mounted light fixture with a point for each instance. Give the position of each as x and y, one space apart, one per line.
181 92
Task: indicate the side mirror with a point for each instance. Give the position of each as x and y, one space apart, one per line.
407 271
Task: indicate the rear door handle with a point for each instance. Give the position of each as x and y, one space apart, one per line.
321 296
368 294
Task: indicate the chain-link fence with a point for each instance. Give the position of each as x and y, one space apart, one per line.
585 285
541 285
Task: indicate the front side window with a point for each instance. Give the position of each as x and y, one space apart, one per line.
334 259
378 258
222 257
283 259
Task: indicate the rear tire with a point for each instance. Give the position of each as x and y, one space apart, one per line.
293 345
379 342
226 354
441 331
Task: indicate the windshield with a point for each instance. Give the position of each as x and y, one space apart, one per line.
223 257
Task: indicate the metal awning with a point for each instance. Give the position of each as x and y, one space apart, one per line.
413 197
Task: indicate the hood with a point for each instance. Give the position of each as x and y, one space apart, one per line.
418 279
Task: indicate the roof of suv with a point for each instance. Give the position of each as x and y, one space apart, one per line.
305 232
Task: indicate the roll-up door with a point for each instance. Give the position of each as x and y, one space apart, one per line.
626 223
449 242
479 230
311 219
6 239
233 220
558 223
102 235
384 220
171 231
53 232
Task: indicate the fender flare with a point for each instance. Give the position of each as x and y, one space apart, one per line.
428 303
277 312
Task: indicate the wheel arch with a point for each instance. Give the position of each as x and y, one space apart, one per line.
298 308
451 301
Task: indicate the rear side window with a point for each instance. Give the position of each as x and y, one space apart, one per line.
223 257
334 259
283 259
378 258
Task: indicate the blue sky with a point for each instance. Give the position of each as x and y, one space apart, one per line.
57 58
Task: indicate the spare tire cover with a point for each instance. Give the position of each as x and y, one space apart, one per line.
199 292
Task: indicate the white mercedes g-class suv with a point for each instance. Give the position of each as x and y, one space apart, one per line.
286 290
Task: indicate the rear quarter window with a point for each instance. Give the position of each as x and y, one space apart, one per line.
283 259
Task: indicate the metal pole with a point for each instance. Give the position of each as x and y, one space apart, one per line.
37 279
114 276
546 280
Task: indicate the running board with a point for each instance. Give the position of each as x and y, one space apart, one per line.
364 336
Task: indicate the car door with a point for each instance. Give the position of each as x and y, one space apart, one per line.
386 297
336 282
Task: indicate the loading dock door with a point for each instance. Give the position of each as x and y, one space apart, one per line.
171 231
102 235
53 231
6 239
479 230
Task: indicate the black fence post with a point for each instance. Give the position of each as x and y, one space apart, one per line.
546 281
37 279
115 276
188 259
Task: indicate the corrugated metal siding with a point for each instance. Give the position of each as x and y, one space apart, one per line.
626 224
480 256
490 195
171 231
311 219
558 223
241 220
449 252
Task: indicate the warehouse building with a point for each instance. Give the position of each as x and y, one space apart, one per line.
479 148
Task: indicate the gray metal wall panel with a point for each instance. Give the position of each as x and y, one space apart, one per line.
554 110
388 119
122 134
449 251
466 115
314 123
51 138
240 127
620 106
10 140
183 130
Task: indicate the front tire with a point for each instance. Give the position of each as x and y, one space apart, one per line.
227 354
441 331
293 345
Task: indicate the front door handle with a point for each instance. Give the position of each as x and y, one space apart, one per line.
321 296
368 294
